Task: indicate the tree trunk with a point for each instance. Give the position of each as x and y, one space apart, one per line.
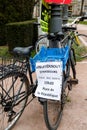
82 4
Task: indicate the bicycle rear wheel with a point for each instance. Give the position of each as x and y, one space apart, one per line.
13 98
53 110
52 113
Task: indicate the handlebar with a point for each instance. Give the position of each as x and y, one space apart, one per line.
56 36
83 18
77 20
68 28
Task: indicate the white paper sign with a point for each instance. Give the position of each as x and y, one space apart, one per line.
49 76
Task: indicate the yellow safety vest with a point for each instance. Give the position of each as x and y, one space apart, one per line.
44 16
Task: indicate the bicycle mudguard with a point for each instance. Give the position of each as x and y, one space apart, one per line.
50 54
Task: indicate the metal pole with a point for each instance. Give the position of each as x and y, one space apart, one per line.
56 18
65 14
55 24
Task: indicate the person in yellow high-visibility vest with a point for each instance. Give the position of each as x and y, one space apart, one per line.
44 16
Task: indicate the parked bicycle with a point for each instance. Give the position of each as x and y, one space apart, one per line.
78 38
52 65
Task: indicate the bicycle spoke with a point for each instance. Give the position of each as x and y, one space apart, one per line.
13 99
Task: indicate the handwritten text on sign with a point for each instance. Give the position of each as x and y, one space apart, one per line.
49 76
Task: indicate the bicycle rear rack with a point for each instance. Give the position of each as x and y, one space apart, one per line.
11 64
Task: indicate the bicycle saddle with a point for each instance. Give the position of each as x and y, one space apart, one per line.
22 50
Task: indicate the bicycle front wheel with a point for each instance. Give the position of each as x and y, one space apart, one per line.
13 98
80 39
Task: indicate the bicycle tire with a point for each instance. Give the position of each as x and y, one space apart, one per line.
53 110
42 41
80 39
13 103
73 63
70 71
52 118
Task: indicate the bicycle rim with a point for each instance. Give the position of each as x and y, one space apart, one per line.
12 105
52 113
42 41
81 39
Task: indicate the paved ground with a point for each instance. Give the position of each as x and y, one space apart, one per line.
75 111
82 28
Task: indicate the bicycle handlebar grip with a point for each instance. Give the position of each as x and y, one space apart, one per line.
56 36
68 28
83 18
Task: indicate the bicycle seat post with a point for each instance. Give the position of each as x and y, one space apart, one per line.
30 73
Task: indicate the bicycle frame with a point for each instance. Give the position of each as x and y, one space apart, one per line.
61 53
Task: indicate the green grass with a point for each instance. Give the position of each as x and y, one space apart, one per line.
4 51
83 22
33 53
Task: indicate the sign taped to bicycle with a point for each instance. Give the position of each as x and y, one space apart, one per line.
49 76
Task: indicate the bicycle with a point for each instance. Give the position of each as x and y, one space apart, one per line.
20 85
78 38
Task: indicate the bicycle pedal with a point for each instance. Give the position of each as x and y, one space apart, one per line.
74 81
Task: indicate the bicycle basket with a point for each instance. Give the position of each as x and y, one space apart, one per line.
50 54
